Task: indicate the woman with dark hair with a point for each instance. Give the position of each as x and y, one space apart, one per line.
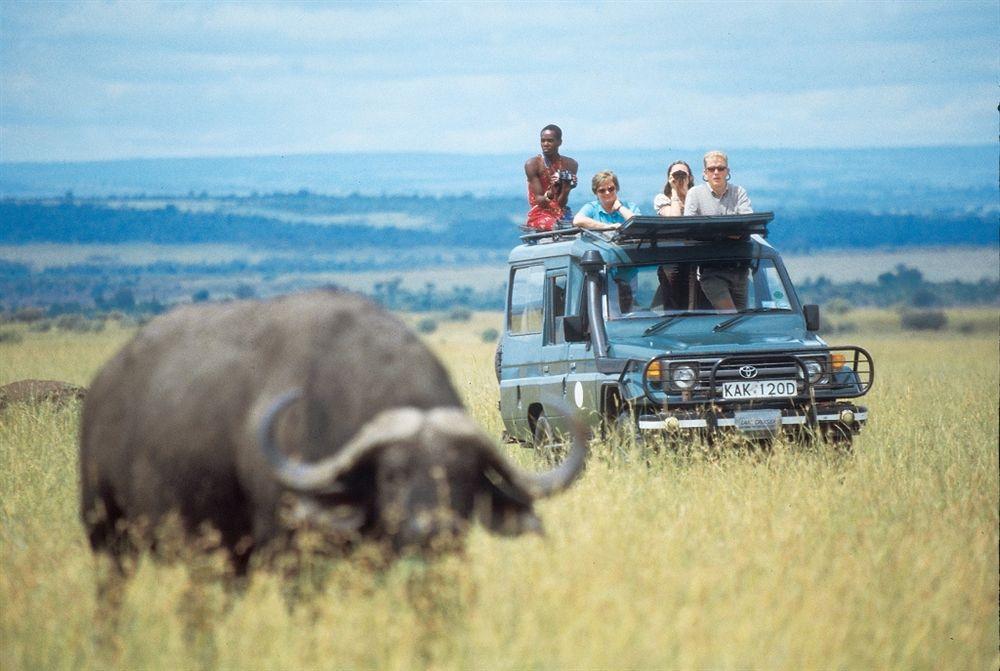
670 203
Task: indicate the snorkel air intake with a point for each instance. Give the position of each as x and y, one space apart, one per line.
592 264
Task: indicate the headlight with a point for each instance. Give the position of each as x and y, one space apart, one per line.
814 370
683 376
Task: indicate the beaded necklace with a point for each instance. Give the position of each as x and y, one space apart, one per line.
552 168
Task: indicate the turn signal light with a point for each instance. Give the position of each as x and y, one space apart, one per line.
655 372
838 360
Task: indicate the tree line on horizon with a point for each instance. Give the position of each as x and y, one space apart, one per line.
458 222
468 230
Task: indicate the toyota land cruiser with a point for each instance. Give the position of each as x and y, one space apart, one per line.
682 326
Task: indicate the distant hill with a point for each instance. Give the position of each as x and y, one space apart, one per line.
891 180
309 221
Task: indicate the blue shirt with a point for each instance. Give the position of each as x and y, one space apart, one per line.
594 210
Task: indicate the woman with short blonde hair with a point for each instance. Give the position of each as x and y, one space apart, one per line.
607 212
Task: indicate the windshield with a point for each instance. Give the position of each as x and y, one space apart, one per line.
702 287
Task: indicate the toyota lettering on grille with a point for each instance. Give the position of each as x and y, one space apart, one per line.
748 372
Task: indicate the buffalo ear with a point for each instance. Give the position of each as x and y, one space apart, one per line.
503 512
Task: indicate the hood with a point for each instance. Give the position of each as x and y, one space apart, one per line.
694 335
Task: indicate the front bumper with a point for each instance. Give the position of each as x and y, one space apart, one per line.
756 421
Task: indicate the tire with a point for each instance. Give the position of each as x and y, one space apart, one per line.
627 427
547 446
840 437
543 435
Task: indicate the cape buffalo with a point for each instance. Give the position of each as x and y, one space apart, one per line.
317 409
36 391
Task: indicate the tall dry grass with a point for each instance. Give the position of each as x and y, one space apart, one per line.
800 558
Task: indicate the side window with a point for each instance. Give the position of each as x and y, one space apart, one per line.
774 296
526 301
556 288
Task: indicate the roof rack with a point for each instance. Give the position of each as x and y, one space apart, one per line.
693 228
555 234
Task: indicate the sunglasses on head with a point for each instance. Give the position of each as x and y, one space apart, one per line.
717 168
679 174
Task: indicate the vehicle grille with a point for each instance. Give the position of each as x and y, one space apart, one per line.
850 379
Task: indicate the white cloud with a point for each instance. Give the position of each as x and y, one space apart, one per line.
100 80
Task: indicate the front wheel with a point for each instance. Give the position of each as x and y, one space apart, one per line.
840 437
544 440
627 426
543 434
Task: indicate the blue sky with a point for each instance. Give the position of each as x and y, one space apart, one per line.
105 80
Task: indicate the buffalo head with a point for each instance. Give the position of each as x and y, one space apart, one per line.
414 478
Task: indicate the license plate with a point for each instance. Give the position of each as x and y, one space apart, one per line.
759 389
758 421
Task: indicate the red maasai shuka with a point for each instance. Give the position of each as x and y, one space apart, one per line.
542 217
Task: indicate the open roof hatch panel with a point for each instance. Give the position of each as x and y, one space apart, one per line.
693 228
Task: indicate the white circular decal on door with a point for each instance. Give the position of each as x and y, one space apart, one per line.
578 394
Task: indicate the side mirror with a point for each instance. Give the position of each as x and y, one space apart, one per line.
574 328
811 313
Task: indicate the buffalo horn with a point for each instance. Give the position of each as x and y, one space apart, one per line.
397 424
533 485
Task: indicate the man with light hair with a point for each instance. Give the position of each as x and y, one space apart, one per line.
724 284
717 196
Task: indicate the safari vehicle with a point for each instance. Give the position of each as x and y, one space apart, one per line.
681 326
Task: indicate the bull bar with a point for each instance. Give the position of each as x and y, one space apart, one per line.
822 378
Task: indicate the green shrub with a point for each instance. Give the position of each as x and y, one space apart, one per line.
244 291
10 336
72 322
847 327
29 314
427 325
923 298
490 335
79 324
838 306
41 326
460 315
924 320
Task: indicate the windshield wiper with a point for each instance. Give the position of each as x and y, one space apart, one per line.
664 323
722 326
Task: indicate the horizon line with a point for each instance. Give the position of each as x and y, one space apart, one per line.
378 152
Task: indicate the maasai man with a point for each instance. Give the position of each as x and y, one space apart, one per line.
550 179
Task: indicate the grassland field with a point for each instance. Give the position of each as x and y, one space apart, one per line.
796 558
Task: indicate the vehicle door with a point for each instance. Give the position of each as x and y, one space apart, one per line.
555 367
522 360
583 382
